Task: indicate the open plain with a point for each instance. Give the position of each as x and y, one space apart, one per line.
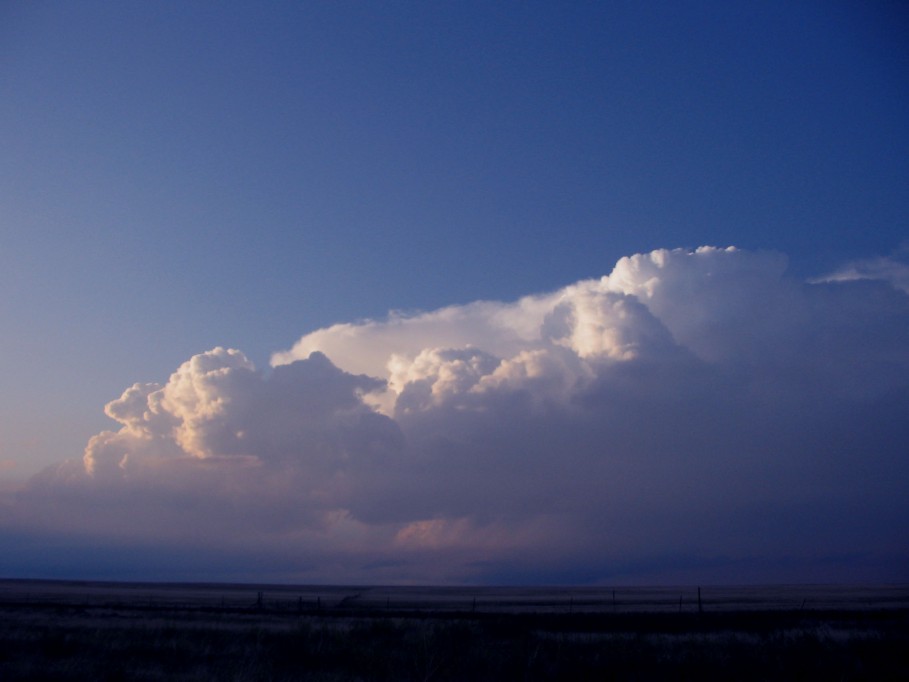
69 630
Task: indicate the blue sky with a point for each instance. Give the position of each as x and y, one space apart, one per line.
180 176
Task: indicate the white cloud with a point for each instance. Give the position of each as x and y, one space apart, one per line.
690 403
893 269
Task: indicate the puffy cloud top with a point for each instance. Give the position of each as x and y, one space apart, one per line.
726 307
217 405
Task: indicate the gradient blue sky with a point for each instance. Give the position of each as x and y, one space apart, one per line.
176 176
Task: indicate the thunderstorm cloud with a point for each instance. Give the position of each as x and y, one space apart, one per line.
693 415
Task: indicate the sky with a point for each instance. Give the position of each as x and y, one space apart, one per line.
443 293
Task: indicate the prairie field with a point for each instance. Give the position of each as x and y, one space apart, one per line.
69 630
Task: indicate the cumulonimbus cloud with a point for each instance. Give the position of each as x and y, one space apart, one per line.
692 405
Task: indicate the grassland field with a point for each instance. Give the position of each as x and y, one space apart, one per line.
74 630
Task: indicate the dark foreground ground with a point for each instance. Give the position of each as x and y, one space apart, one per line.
110 631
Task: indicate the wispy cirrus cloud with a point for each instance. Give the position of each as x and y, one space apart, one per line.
893 269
